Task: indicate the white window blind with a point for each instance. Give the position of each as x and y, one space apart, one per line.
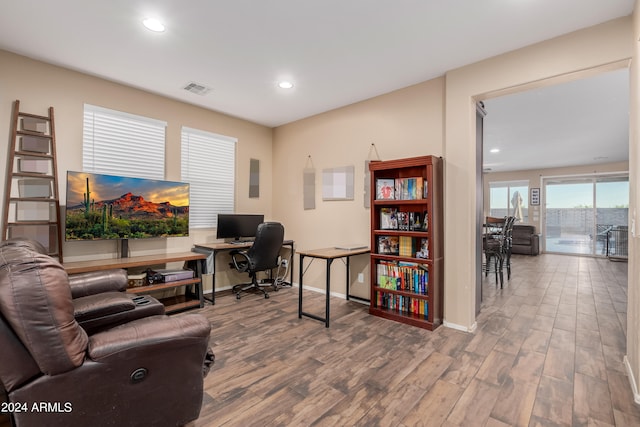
119 143
208 165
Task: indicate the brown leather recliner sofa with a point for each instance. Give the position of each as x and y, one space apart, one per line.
99 298
144 372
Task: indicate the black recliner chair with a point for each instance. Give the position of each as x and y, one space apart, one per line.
148 371
262 255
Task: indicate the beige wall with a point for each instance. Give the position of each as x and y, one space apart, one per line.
404 123
38 85
632 359
534 177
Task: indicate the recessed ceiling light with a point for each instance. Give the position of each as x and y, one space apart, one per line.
495 150
153 25
285 85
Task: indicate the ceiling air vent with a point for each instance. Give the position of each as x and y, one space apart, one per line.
197 88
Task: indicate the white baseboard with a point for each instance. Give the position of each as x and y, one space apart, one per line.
460 327
632 380
320 291
333 294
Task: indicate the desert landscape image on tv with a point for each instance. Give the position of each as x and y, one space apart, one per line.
115 207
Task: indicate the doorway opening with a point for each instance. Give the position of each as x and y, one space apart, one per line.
558 135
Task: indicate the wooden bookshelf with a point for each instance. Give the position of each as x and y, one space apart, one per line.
407 255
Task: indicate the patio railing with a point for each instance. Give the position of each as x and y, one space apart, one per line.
618 243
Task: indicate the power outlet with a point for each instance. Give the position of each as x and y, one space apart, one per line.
284 263
360 278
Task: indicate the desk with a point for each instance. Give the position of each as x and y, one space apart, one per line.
328 254
214 248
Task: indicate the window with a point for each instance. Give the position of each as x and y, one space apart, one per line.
118 143
509 198
208 165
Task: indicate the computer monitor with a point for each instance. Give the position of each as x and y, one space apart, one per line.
238 226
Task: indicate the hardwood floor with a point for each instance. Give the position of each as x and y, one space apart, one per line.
548 351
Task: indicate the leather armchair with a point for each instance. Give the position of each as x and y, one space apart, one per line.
525 240
148 371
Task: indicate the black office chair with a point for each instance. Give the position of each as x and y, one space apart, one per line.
262 255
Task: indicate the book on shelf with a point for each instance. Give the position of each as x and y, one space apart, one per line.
388 218
409 221
423 251
403 221
425 221
402 304
403 276
409 188
389 282
388 245
385 189
407 248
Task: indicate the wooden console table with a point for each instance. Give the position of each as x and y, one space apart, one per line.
191 299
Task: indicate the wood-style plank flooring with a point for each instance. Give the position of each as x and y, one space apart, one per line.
548 351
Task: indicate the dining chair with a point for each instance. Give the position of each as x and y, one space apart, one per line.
493 244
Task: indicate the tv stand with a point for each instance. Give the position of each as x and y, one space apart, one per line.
191 298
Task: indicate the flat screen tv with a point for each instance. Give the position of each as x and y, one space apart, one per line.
115 207
238 226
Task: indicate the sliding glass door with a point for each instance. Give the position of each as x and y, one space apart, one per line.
582 214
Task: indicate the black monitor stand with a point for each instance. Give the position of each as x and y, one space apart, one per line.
242 240
124 248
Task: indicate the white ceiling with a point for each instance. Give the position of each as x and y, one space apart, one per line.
336 52
583 122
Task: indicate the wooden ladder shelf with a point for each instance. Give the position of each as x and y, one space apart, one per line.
31 205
